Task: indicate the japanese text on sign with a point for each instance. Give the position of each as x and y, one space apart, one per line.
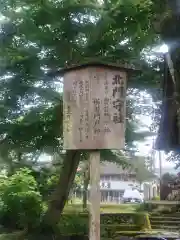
94 102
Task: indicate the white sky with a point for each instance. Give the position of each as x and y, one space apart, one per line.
145 148
161 49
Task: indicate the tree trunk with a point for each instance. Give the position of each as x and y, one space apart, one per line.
19 156
169 131
60 194
85 188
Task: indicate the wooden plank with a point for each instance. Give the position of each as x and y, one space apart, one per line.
94 108
94 228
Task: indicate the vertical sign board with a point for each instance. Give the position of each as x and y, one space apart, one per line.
94 108
94 116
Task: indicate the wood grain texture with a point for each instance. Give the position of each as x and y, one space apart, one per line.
94 108
94 227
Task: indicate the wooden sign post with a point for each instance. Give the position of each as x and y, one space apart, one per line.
94 226
94 119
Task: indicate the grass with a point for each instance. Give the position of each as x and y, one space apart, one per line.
13 236
105 208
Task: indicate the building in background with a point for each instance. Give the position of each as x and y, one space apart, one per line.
114 180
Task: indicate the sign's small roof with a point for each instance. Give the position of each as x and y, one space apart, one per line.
128 67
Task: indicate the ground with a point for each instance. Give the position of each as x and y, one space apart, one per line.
105 208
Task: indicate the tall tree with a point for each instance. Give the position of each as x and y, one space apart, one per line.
167 24
38 38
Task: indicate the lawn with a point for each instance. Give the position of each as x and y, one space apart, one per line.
105 208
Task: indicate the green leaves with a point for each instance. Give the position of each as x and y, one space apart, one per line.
40 37
21 199
142 173
117 157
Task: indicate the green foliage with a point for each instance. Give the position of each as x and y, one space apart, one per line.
45 37
12 236
21 201
74 224
48 183
157 198
174 157
130 234
165 210
117 157
78 183
77 224
148 207
168 178
142 173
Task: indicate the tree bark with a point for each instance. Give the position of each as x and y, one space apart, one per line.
169 131
60 195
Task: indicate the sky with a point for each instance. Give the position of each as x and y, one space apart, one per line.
145 148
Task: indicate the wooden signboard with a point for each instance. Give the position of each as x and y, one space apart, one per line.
94 108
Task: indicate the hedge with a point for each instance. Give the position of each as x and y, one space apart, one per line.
111 224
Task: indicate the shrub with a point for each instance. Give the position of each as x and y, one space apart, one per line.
148 207
77 224
21 201
173 209
74 224
157 198
176 208
165 210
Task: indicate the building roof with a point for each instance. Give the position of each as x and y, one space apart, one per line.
164 170
109 168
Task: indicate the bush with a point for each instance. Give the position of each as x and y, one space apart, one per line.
176 209
124 218
147 207
77 224
157 198
12 236
21 205
131 234
165 210
74 224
